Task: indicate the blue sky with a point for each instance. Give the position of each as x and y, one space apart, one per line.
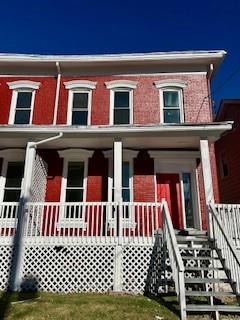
80 27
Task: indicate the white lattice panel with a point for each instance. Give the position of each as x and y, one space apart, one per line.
142 269
39 180
5 265
69 268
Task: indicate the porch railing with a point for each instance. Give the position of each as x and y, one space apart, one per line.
98 222
170 243
224 242
230 217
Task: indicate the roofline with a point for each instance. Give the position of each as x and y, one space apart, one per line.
205 130
123 57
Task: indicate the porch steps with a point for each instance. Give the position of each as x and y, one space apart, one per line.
208 285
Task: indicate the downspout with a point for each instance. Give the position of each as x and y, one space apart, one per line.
18 243
57 93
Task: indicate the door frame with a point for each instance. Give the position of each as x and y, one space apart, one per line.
180 162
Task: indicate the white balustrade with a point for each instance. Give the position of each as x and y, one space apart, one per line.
223 234
87 222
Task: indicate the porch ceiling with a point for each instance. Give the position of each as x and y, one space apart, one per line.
102 137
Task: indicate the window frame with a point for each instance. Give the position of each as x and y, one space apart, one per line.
224 158
18 87
121 86
171 85
10 155
162 108
79 86
73 155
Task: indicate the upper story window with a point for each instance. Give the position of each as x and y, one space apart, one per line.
22 103
224 165
171 100
121 101
79 101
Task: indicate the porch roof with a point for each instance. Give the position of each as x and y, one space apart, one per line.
185 135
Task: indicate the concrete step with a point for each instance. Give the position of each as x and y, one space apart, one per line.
192 232
207 280
206 307
199 258
189 293
203 249
203 269
191 239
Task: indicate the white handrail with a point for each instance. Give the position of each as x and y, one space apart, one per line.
224 242
170 243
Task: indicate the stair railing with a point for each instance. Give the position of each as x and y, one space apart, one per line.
170 244
224 243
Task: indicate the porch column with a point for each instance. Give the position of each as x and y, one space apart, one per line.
117 175
18 244
207 178
117 171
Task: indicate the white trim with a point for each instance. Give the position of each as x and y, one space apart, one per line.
170 83
112 97
180 97
14 104
116 84
82 84
13 154
70 104
24 84
75 154
173 155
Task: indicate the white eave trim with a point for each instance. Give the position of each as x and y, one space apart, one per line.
75 154
174 154
170 83
27 84
75 84
121 84
12 153
128 154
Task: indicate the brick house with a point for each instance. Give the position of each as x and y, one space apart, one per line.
102 157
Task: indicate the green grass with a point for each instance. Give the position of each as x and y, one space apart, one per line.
82 306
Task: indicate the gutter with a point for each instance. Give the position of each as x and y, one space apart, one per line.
57 93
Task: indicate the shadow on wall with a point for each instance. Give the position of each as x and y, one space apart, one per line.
27 292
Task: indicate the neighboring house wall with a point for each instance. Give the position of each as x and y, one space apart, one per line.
228 147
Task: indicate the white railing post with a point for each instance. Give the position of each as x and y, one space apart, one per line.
207 180
21 216
117 156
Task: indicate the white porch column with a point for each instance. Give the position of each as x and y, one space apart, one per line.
207 179
19 236
117 171
117 176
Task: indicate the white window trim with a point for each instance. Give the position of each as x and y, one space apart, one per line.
128 155
123 86
170 85
78 155
9 155
79 86
23 84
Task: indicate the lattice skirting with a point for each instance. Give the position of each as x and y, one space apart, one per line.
79 268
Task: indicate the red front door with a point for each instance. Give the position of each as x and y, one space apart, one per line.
168 187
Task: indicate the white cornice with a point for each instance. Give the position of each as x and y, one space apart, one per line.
121 84
74 84
12 154
174 154
27 84
75 154
170 83
127 154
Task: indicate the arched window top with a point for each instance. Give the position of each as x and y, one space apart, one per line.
129 84
170 83
23 84
83 84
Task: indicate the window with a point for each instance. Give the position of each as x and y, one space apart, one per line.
22 101
121 101
80 107
74 187
171 106
13 182
171 100
126 182
79 101
121 113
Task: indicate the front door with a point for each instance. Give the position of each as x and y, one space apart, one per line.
168 188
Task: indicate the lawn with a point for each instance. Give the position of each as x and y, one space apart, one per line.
82 306
87 306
